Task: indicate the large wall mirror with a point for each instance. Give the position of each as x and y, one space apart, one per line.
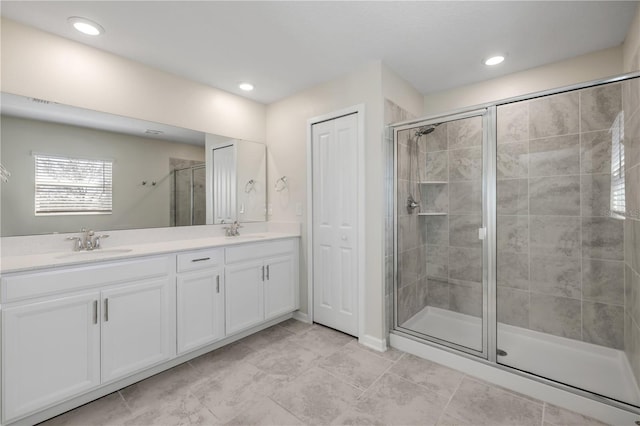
70 167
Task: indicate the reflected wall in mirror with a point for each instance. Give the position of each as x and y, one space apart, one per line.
237 170
158 171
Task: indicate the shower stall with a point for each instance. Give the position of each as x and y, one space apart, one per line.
188 196
516 231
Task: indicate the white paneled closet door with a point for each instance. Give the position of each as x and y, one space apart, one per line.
335 213
224 184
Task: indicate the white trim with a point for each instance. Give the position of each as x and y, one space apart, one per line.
533 388
301 316
374 343
360 111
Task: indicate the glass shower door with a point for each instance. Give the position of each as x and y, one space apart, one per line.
566 198
440 284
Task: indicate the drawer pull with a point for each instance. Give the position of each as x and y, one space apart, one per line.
267 272
95 311
202 259
106 310
218 284
262 272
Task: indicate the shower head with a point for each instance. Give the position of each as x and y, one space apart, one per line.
425 130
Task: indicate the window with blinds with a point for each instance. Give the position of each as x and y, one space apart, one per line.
617 166
67 185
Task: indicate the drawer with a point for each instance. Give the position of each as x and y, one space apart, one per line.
53 281
200 259
253 251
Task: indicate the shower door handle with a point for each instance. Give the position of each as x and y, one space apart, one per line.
482 233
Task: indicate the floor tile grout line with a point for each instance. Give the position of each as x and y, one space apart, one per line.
340 379
444 409
544 409
505 390
380 377
285 409
423 386
125 400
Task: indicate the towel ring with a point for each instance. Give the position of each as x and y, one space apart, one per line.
251 185
282 184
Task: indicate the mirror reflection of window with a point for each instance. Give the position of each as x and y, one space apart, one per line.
617 167
67 185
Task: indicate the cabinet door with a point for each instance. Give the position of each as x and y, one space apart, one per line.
51 352
200 308
279 291
244 305
136 327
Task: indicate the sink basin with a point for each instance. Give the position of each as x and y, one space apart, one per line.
93 253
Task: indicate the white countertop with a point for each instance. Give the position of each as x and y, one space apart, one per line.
30 262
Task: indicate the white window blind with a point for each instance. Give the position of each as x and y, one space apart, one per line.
617 166
73 185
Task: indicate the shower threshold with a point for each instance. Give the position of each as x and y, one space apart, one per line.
590 367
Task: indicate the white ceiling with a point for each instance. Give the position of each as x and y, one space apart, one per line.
284 47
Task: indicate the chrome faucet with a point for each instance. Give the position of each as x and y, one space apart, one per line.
88 241
232 231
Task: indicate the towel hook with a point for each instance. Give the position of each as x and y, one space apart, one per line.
282 184
4 174
251 185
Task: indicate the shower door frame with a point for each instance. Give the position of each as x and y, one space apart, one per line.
490 148
191 199
487 114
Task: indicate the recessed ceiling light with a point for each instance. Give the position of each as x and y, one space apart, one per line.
247 87
86 26
494 60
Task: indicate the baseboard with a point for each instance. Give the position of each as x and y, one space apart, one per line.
301 316
374 343
516 382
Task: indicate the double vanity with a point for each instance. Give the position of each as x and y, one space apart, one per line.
77 325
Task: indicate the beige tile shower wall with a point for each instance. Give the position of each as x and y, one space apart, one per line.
452 184
631 103
560 250
393 113
631 106
411 271
439 253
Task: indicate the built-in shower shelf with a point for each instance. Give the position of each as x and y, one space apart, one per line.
433 214
433 182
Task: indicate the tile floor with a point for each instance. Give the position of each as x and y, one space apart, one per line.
294 374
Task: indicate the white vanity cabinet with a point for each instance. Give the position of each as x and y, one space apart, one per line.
89 329
137 324
200 298
66 331
51 351
261 282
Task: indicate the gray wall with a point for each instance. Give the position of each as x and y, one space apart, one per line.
136 159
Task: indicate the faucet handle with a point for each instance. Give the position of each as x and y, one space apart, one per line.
77 245
96 244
